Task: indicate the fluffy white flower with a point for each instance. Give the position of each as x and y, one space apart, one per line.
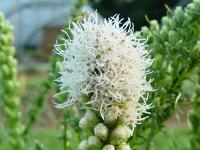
106 61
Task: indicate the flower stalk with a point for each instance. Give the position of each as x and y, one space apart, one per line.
8 92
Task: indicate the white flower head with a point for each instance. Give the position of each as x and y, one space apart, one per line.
106 61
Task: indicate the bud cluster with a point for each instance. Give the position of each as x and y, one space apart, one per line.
8 92
108 134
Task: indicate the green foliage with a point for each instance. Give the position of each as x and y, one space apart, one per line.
8 88
49 139
194 118
176 59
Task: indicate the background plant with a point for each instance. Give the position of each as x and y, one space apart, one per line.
174 45
10 102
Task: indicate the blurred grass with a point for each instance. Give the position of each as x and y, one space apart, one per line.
171 139
174 139
51 139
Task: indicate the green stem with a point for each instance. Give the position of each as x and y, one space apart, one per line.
64 123
35 108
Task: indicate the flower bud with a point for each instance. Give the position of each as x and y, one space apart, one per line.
91 116
111 115
108 147
10 51
145 30
83 123
9 86
12 61
94 143
5 70
89 120
154 25
16 102
120 134
101 131
123 146
3 57
166 20
83 145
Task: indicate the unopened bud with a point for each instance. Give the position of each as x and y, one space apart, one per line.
83 145
10 51
89 120
154 25
101 131
91 116
94 143
123 146
12 61
5 70
111 115
3 57
108 147
120 134
83 123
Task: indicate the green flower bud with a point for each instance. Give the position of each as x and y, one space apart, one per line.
123 146
10 50
101 131
172 38
6 39
110 117
16 102
166 21
120 134
91 116
84 124
3 57
89 120
179 15
5 70
83 145
20 129
154 25
13 71
108 147
9 86
145 31
94 143
12 114
12 62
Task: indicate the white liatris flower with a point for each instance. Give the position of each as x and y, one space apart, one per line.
107 62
